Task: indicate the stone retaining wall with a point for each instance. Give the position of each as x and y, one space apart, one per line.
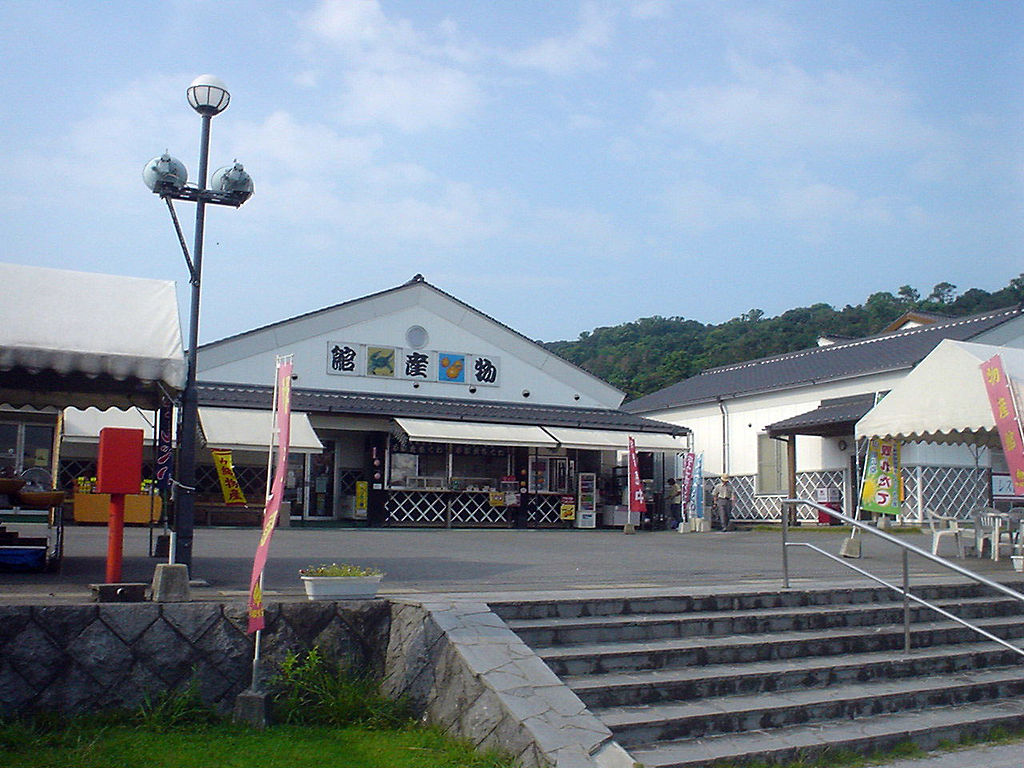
78 658
457 662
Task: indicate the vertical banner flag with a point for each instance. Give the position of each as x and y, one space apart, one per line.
881 491
229 486
282 419
697 491
636 487
164 448
686 482
1007 418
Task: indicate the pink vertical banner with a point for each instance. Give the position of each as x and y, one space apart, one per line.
636 486
283 419
1007 418
687 478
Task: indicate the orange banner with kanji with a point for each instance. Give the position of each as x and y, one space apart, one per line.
226 474
1007 419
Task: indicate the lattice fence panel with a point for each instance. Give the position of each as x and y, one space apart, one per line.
949 490
474 509
416 508
751 507
545 511
347 479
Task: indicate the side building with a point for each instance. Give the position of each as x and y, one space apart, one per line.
743 415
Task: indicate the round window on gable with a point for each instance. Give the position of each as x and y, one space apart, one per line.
417 337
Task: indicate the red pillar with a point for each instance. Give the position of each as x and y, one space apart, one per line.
115 538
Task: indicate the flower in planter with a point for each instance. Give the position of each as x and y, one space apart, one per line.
336 569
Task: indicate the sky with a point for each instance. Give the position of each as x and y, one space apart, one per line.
560 166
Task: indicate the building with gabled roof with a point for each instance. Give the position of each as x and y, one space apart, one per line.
433 413
738 413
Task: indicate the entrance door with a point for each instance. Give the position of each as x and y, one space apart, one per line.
321 484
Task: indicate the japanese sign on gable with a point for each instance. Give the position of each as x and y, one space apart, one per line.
369 360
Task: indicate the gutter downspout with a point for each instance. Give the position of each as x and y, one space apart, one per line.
725 437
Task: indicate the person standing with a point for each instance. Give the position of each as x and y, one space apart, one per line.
723 495
674 497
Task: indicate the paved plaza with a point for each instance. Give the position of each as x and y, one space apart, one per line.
484 561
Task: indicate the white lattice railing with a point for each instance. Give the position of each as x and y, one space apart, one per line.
951 490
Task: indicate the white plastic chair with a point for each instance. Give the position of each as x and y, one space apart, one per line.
990 525
948 526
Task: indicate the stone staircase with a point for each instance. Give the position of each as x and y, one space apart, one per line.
773 676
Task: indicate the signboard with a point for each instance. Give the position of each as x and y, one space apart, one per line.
229 486
567 509
362 495
882 491
377 361
1007 419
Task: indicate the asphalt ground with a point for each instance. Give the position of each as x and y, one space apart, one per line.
487 561
512 564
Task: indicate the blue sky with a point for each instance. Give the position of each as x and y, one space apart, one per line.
559 165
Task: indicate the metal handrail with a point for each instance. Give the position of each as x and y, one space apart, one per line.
790 505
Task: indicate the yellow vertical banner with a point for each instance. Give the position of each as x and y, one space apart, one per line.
882 490
229 486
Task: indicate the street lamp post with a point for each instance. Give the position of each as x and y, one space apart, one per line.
231 185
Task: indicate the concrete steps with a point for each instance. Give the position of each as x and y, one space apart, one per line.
694 681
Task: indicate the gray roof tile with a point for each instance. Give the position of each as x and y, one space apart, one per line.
331 401
873 354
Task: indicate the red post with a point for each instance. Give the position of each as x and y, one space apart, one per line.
118 472
115 538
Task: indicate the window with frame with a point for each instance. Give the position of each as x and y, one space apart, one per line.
772 466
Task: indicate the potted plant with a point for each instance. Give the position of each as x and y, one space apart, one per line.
340 581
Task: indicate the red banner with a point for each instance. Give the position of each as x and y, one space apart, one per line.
636 486
1007 419
283 421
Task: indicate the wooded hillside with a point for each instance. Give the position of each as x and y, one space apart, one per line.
653 352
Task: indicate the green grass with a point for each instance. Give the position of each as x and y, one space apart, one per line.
86 744
323 713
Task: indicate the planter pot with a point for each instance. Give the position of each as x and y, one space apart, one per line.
341 587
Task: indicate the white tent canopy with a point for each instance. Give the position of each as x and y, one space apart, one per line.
242 429
944 400
474 433
85 339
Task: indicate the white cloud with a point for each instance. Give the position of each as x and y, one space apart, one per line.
411 99
577 51
391 74
785 108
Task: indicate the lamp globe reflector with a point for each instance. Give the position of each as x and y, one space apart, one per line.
233 179
208 95
165 173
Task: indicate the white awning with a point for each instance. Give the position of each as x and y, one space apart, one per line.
85 339
944 399
83 426
475 433
605 440
248 430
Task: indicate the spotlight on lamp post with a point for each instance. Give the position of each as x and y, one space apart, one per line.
167 177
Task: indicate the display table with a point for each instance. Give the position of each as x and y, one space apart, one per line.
95 508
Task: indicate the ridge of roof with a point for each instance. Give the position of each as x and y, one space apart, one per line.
903 349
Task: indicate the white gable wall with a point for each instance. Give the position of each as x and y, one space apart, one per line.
746 417
383 320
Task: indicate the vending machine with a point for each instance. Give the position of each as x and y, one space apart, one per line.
586 508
